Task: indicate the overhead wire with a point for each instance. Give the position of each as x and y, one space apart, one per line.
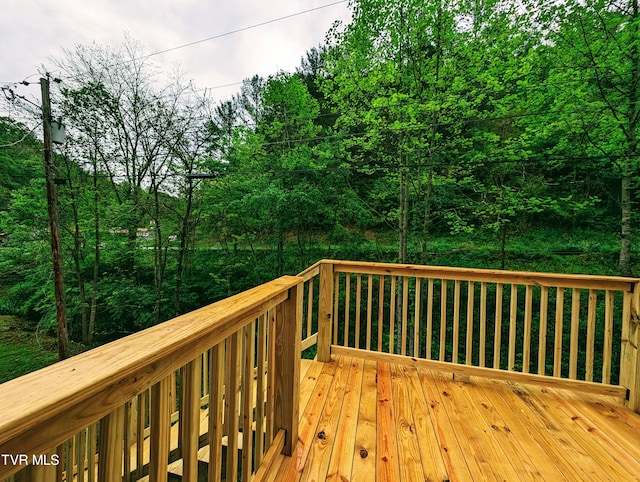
243 29
226 34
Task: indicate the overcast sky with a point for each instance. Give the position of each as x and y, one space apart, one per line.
34 31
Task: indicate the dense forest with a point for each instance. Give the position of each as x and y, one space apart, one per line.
486 133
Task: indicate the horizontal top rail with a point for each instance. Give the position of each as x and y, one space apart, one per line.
310 272
487 275
43 408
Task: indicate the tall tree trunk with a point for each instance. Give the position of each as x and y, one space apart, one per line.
160 258
626 233
76 253
403 224
503 246
424 243
403 217
280 252
96 263
185 236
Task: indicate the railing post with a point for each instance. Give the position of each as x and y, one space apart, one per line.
110 451
630 356
159 435
325 312
288 334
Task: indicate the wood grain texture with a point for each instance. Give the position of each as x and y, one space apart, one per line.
417 424
466 371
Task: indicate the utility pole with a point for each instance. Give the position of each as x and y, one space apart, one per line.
54 223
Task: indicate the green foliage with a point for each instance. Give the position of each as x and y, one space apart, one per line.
461 133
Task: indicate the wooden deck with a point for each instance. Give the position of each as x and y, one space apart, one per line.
366 420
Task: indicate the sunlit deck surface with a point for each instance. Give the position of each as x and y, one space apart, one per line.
366 420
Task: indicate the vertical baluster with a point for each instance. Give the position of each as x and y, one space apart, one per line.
416 319
392 315
429 335
173 399
557 344
130 416
513 319
575 319
380 311
247 397
260 389
443 318
271 362
110 447
526 344
336 283
542 344
140 426
369 311
497 337
483 324
358 303
160 427
470 300
68 459
59 472
591 328
405 314
309 308
204 369
347 302
231 405
190 376
81 446
216 406
456 320
608 337
92 449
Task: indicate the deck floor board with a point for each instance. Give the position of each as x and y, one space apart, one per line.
407 423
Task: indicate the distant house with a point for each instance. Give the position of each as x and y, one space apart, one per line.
141 233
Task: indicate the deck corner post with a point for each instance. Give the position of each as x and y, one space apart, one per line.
288 337
630 350
325 311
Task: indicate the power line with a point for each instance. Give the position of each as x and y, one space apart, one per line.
226 34
243 29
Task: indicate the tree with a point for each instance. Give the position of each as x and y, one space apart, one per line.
594 53
144 136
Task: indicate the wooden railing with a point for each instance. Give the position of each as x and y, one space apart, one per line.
575 331
219 384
